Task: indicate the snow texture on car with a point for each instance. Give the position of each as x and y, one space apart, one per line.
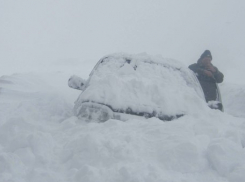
140 85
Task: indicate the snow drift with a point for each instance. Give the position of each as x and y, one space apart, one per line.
41 139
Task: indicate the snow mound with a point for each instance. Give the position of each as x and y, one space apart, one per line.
41 140
234 99
33 96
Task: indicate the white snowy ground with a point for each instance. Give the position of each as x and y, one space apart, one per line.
41 140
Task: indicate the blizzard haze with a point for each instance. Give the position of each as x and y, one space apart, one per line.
46 34
43 43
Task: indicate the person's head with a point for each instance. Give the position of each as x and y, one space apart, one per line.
205 58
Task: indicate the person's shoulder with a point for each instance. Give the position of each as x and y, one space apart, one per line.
193 65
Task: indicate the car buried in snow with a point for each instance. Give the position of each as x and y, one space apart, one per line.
123 86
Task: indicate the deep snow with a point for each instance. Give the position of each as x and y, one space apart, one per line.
41 140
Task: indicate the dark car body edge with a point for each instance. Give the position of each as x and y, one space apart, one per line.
142 114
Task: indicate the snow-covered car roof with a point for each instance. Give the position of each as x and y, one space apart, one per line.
142 85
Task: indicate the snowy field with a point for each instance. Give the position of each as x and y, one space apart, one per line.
42 141
43 43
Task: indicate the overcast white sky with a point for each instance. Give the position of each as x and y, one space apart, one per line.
35 33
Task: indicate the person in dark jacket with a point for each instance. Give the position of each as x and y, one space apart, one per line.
208 75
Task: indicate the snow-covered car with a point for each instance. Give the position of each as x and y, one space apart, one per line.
123 86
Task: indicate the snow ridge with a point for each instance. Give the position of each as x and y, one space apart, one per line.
41 140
